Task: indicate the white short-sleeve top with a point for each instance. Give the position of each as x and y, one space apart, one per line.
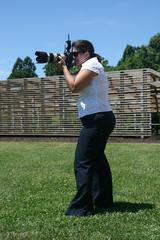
94 98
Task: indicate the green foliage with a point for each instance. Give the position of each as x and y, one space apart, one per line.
128 53
37 184
23 69
105 64
155 42
141 57
154 46
52 69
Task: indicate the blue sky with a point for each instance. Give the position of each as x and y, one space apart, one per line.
27 26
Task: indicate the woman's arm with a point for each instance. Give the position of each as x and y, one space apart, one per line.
80 81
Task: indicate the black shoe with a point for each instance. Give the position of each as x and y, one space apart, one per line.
79 213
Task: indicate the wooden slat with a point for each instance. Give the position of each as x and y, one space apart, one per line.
45 106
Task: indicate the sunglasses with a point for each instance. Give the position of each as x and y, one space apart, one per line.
75 54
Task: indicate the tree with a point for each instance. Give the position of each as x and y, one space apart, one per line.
52 69
141 57
155 42
126 62
128 53
105 65
23 69
154 47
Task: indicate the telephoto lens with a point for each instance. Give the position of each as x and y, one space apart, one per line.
43 57
56 57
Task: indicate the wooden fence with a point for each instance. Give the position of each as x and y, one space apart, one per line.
45 106
132 101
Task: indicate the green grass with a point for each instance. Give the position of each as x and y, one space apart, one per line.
37 184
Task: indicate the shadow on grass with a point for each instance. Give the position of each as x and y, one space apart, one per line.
129 207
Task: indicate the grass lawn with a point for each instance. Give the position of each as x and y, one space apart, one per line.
37 184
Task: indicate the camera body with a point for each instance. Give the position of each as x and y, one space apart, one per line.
44 57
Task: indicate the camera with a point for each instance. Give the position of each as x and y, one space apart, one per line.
44 57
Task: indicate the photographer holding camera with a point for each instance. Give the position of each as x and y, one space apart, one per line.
92 171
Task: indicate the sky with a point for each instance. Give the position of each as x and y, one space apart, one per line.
28 26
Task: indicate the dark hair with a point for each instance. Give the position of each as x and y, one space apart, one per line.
84 46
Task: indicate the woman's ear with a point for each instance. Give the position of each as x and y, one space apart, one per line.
87 55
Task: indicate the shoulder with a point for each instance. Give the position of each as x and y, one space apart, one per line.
93 64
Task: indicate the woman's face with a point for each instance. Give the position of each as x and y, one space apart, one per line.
80 57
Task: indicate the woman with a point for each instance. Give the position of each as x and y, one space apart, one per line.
92 171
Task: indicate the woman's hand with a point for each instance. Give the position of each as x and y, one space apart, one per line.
61 62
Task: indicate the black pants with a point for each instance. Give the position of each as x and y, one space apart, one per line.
92 171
